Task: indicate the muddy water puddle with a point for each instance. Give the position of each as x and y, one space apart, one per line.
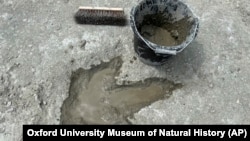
95 98
159 31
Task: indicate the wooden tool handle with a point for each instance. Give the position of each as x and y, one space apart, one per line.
100 8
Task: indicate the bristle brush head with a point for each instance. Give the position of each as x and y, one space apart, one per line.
100 16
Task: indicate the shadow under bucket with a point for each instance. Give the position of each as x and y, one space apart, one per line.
162 28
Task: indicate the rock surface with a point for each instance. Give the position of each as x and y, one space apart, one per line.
41 46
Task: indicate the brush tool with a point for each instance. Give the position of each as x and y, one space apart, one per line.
100 16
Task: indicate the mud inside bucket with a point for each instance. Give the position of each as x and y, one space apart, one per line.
162 28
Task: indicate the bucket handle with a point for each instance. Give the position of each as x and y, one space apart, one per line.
164 51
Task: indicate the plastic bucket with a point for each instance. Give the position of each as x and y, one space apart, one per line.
162 28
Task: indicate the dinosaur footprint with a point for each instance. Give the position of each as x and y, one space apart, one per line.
94 97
